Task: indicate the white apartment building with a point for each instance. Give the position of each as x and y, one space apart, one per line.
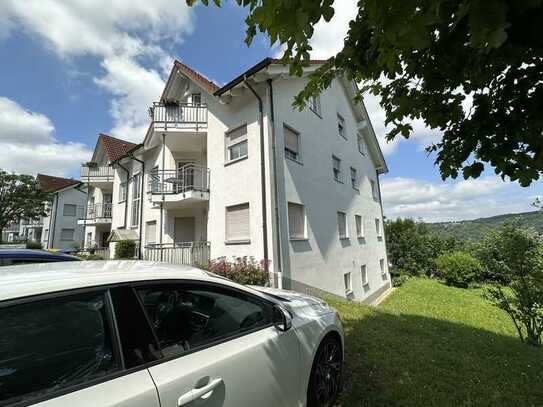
236 171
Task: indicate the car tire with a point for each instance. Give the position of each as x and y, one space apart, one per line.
326 374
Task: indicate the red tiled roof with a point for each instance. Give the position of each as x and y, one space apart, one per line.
196 76
115 148
49 183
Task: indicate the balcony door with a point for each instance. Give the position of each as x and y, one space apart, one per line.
185 230
107 205
185 175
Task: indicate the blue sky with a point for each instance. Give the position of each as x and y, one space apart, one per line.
73 69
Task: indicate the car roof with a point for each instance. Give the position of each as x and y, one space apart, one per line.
41 278
33 254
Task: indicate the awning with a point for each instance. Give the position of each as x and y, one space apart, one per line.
122 234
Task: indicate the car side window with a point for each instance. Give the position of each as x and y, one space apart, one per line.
137 338
186 317
48 345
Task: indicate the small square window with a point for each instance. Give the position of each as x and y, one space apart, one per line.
359 226
69 210
348 283
336 168
196 99
67 234
341 126
342 225
364 275
354 178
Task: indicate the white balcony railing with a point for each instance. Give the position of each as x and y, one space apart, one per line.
98 171
190 177
191 253
182 115
33 223
96 211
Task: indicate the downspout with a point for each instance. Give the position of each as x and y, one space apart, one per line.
52 221
86 193
262 174
275 190
126 198
141 203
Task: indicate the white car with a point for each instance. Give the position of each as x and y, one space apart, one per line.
143 334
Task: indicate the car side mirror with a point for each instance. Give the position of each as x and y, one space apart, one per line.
282 320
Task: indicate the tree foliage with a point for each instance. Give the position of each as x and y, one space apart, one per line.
425 59
20 198
521 265
459 269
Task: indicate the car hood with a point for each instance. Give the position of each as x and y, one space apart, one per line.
298 303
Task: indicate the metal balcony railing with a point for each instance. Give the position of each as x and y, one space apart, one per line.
97 211
102 171
191 253
182 115
190 177
33 222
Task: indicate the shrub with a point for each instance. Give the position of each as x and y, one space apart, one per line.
33 244
242 270
459 269
89 256
125 249
398 281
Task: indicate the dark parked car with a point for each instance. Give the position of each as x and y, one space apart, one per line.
11 257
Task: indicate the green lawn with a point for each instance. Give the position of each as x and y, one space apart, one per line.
433 345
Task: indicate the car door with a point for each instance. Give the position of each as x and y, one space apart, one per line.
220 348
60 351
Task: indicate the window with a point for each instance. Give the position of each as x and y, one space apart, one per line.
196 98
374 192
342 225
136 199
364 274
378 228
359 226
296 221
341 126
122 191
137 339
336 168
361 143
382 266
69 210
354 178
236 144
237 224
53 344
315 104
348 283
187 317
292 144
150 232
89 239
45 235
67 234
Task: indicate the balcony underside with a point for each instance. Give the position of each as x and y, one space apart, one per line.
180 200
94 222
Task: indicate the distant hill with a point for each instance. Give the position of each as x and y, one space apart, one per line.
478 228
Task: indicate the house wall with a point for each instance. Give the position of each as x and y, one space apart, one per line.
322 259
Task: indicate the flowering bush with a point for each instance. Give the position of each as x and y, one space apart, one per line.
242 270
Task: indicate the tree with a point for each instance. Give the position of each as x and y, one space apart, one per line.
424 59
522 266
20 198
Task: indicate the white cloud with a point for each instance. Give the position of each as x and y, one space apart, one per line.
27 143
121 33
456 200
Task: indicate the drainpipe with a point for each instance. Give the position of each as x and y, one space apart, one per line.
52 221
126 199
86 193
275 190
262 173
141 203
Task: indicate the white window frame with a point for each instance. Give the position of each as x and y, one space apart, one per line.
229 145
70 206
348 282
197 95
123 189
378 228
315 105
354 180
339 176
364 275
346 234
237 240
361 141
64 239
148 234
359 222
292 155
342 131
303 235
136 199
382 267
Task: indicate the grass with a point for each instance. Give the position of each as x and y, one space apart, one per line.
433 345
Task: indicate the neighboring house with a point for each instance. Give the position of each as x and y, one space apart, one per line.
13 233
98 176
236 171
59 229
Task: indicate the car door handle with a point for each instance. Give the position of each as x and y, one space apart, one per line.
195 394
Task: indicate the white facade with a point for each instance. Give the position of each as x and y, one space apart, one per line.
193 191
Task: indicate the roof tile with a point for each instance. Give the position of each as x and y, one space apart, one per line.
115 147
48 183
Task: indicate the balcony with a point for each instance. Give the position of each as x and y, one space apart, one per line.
97 175
96 214
182 116
188 184
12 227
190 253
33 223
